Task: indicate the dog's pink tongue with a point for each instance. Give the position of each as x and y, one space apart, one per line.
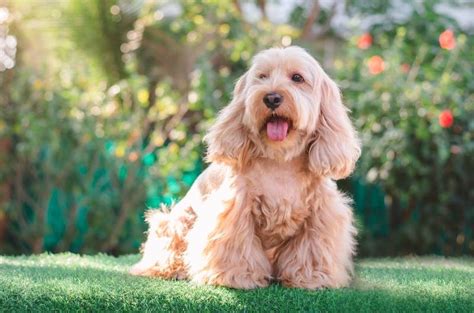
277 130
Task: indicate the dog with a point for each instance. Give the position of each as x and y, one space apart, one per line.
267 207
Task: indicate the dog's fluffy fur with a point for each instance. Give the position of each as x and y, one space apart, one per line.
266 209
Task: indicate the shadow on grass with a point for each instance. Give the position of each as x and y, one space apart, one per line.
30 287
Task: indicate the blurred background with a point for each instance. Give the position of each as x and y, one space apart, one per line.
104 103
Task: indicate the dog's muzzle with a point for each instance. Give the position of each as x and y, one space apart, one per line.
273 100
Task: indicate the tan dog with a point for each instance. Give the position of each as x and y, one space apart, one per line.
267 206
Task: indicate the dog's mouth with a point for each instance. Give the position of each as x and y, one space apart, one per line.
277 127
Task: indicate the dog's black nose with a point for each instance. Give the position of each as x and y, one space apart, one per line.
273 100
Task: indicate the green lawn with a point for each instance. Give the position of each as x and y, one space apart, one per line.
67 282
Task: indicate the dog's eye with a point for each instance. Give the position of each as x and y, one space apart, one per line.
297 78
262 76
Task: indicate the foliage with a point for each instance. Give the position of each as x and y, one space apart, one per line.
67 282
109 120
415 148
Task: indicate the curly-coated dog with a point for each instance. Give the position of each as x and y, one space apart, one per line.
267 208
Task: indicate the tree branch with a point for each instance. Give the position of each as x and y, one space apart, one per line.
262 5
312 17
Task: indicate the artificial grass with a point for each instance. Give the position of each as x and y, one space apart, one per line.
68 282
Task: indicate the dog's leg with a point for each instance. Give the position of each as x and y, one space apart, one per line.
223 247
165 244
156 245
320 255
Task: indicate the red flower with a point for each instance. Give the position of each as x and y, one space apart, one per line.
376 65
456 149
447 40
446 119
365 41
405 67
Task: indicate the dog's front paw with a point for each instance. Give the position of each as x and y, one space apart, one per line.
305 284
232 279
316 280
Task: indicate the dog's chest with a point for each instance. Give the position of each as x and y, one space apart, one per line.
279 202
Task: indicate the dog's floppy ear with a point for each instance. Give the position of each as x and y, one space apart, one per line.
228 139
335 147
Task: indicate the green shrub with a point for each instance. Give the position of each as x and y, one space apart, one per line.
412 102
87 145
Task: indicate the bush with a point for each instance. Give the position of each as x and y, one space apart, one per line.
411 91
88 145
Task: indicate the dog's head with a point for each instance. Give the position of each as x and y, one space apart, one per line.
283 107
